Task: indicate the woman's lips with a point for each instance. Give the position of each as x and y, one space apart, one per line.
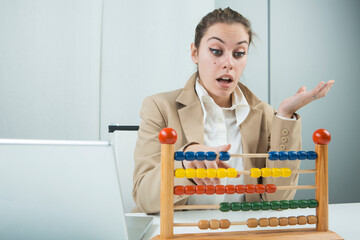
224 82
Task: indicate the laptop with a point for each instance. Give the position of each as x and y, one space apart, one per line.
63 190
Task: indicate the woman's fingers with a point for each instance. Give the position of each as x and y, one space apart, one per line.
324 90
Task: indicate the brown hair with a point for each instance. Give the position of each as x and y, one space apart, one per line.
226 15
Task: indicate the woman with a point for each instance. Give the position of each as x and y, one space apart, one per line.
214 112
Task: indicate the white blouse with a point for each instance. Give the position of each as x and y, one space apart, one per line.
222 126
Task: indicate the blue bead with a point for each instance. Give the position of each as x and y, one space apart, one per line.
283 155
211 156
273 155
224 156
312 155
293 155
201 156
302 155
190 156
179 156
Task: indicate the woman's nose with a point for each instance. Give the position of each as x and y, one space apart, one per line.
228 62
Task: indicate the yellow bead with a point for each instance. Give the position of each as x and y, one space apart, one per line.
255 172
266 172
200 173
285 172
221 173
275 172
231 172
211 173
190 173
179 173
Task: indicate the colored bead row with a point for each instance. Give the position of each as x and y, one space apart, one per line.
270 172
214 224
292 155
282 221
224 189
201 156
205 173
266 205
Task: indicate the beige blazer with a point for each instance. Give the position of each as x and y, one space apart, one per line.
181 110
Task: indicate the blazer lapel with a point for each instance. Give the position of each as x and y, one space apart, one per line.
250 131
190 112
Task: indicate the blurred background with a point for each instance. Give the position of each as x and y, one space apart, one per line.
69 68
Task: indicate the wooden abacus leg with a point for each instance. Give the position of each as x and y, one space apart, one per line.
167 188
322 194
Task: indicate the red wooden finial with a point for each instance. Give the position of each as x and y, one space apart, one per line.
321 136
167 136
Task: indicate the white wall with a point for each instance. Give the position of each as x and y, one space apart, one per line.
49 69
145 50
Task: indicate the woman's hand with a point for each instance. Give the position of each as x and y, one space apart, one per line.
289 106
207 164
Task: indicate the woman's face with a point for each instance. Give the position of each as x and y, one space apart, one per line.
221 59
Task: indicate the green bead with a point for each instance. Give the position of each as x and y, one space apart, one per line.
313 203
256 206
265 205
284 204
225 207
246 206
303 203
275 205
294 204
235 206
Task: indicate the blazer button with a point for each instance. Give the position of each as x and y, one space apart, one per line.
282 147
283 139
285 132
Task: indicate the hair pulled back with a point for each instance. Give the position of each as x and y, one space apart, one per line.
226 15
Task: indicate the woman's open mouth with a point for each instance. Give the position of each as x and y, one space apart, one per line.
224 82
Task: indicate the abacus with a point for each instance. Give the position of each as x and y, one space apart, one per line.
321 138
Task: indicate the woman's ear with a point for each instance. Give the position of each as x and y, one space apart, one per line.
194 53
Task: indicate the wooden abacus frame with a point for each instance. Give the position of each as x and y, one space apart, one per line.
322 196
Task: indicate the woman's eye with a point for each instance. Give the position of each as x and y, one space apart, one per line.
216 52
239 54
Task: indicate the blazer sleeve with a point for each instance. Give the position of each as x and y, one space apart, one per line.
285 135
147 171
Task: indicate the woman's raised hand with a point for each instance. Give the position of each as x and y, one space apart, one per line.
207 164
289 106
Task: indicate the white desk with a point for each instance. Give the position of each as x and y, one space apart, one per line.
343 219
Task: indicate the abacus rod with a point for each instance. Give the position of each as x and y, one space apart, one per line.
188 207
196 224
296 187
251 155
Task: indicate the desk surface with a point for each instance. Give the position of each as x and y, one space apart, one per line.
342 219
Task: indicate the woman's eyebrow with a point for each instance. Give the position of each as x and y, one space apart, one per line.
241 42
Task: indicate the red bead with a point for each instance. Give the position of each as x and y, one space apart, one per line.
190 189
259 188
200 189
270 188
240 189
250 188
321 136
179 190
167 136
230 189
210 189
220 189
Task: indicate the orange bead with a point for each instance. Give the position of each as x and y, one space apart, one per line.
240 189
190 189
210 189
204 224
250 188
270 188
260 188
214 224
224 223
252 223
200 189
220 189
179 190
273 222
230 189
